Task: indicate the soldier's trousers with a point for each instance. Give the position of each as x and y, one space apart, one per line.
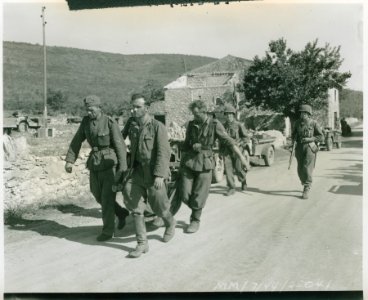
195 187
306 160
232 164
140 189
101 183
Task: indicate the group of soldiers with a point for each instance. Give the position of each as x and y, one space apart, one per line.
143 180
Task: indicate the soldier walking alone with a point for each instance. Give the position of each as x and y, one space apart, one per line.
106 162
149 163
235 130
306 134
197 160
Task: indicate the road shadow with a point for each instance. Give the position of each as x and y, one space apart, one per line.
82 234
221 190
285 193
352 144
79 211
356 133
346 159
353 174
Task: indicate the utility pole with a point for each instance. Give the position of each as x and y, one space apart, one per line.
44 66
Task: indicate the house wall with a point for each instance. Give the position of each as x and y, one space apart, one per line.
333 107
177 101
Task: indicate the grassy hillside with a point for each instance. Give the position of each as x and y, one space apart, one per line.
351 103
77 73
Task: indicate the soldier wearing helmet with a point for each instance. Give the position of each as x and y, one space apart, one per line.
306 134
237 131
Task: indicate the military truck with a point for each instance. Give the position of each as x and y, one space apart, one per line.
18 121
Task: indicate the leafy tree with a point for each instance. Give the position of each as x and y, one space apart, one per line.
284 79
56 101
153 91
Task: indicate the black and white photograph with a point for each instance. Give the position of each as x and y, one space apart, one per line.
183 146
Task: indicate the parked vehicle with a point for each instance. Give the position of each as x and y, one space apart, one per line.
258 147
20 122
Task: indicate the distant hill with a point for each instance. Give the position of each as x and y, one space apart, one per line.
77 73
351 103
228 63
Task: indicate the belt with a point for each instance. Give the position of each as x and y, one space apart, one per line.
98 148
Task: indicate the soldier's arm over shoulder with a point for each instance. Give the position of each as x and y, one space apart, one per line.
318 133
118 144
76 142
161 168
222 135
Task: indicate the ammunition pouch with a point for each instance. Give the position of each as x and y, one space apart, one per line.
101 159
314 147
200 161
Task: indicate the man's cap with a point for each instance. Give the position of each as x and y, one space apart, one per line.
92 100
305 108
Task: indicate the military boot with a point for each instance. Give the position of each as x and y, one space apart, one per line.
194 221
170 224
230 192
244 185
140 230
121 214
306 192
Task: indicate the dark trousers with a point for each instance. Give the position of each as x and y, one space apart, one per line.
139 189
195 187
101 183
232 164
306 160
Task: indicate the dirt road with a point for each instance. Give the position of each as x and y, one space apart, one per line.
264 239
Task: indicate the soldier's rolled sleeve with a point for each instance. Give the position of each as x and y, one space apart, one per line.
119 146
161 168
318 133
76 143
224 138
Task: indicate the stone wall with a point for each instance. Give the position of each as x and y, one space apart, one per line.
34 181
177 101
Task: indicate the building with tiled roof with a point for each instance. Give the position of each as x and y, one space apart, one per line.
208 83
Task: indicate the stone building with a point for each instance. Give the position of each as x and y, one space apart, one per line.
207 83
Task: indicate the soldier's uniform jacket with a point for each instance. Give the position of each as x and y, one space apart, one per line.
149 146
205 134
108 147
307 129
236 131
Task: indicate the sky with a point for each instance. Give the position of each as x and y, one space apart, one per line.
241 29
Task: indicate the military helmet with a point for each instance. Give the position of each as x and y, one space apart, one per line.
229 110
305 108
